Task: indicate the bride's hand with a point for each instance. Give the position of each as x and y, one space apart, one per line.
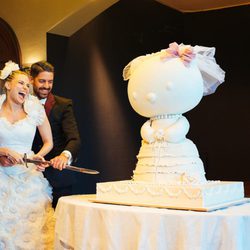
10 157
6 161
41 166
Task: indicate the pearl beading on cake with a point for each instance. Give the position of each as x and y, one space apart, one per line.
165 116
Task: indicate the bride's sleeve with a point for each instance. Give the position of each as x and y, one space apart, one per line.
35 110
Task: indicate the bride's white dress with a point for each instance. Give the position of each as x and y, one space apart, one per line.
26 215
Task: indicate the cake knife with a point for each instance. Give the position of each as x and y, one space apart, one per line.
69 167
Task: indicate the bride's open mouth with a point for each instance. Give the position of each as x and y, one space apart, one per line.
22 95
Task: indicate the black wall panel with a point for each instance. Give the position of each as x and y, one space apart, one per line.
89 68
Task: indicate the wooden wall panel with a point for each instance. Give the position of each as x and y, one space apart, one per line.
9 46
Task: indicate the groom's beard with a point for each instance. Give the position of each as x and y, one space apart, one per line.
42 92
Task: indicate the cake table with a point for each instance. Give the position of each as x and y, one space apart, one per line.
82 224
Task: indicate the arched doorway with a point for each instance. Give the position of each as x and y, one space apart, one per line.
9 46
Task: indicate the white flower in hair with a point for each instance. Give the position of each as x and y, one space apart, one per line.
8 69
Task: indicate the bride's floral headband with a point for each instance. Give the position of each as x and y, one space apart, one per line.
8 69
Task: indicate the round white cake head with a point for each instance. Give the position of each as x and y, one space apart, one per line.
158 86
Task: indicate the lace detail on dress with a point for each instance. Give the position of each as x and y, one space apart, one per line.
34 109
27 218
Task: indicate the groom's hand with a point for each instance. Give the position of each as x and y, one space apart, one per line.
59 162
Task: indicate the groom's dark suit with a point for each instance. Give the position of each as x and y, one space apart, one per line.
65 137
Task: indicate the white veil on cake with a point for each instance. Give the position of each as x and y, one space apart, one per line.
211 72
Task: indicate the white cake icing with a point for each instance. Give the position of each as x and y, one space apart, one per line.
165 162
171 196
162 86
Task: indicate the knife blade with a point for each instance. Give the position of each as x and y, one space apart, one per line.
69 167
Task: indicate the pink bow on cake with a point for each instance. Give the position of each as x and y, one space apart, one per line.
184 52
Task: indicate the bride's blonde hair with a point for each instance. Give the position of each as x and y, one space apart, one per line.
10 77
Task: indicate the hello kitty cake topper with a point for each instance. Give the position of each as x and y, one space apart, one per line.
164 85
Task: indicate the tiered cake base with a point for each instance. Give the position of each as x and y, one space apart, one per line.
205 197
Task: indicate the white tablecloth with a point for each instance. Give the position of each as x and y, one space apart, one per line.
84 225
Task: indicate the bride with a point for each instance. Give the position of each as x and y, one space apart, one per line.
26 215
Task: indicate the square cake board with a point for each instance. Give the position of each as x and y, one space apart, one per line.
199 209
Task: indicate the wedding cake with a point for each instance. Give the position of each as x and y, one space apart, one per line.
169 172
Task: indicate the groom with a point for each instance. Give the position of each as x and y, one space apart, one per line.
65 133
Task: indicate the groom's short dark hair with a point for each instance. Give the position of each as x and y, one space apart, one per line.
39 67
